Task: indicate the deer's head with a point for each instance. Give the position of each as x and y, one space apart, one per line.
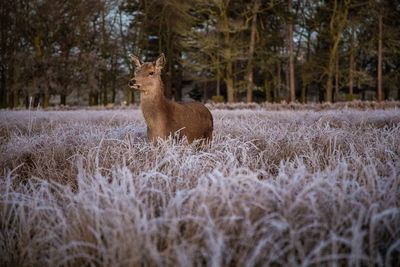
147 75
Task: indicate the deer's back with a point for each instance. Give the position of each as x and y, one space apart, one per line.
193 119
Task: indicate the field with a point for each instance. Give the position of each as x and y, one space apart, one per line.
276 188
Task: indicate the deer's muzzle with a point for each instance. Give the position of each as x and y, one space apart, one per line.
132 84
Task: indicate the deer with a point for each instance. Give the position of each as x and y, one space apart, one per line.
165 117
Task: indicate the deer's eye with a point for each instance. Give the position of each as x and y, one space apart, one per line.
151 73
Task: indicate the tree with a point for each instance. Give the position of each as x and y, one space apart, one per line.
224 28
291 81
337 23
216 48
379 63
249 74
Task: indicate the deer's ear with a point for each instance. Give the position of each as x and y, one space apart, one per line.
160 62
136 61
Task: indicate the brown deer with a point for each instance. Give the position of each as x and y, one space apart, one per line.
163 116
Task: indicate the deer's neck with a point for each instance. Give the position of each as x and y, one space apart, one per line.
154 107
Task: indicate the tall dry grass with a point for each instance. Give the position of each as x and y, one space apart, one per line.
276 188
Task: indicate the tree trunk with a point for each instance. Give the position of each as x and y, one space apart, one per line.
229 75
113 95
267 83
114 78
351 65
168 78
129 97
303 84
63 100
218 89
379 67
287 83
3 89
306 58
249 75
218 85
230 89
329 86
10 100
14 101
46 99
336 76
303 98
278 85
96 99
105 97
169 70
331 67
398 93
93 99
205 92
27 104
178 84
227 53
336 25
291 81
267 90
235 79
4 32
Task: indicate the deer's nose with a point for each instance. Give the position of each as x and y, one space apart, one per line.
132 82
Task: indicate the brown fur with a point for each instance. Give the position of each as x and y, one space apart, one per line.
163 116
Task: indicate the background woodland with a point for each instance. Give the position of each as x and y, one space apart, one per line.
57 52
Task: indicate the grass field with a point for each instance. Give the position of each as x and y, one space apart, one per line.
276 188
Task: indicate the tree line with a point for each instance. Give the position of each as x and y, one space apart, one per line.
224 50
